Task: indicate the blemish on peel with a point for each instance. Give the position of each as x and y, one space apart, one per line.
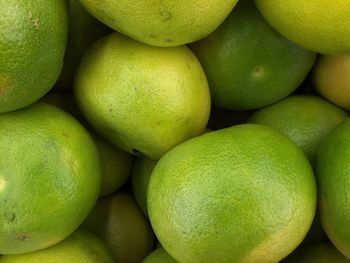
258 71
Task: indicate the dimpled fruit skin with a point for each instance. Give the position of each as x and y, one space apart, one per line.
121 225
115 163
248 64
304 119
159 22
84 30
143 99
333 165
331 78
115 166
49 177
322 26
80 247
159 256
241 194
141 173
33 37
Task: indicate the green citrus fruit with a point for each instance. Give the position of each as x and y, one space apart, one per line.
141 172
158 256
143 99
84 30
333 165
331 78
319 25
115 166
80 247
304 119
121 225
321 252
241 194
115 163
49 177
162 23
33 37
248 64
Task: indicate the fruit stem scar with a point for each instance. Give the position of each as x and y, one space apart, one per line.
258 71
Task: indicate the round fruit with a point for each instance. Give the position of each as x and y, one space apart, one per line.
162 23
321 252
141 172
33 37
143 99
84 30
115 166
304 119
319 25
115 163
333 165
159 256
241 194
331 78
80 247
121 225
49 177
248 64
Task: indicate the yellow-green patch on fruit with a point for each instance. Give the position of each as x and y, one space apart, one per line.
143 99
49 174
241 194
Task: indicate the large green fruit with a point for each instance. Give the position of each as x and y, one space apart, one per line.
84 30
333 167
121 225
80 247
49 177
241 194
304 119
248 64
143 99
159 256
159 22
33 37
322 26
141 173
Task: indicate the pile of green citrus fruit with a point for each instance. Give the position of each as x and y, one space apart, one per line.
164 131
